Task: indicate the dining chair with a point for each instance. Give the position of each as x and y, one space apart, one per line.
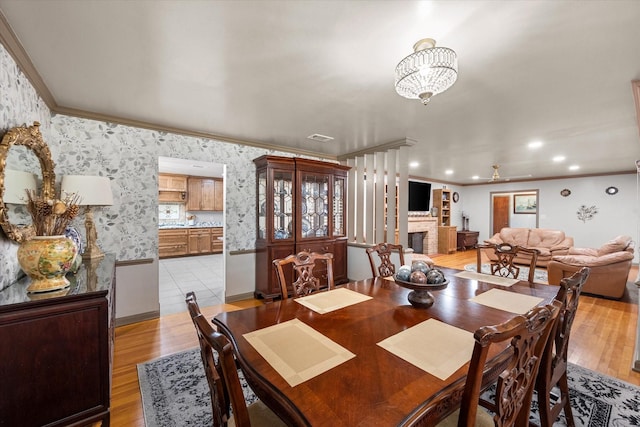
504 265
385 268
222 375
526 336
553 367
307 280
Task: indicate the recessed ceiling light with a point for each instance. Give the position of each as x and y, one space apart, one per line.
414 164
535 144
574 167
320 138
475 177
449 171
559 159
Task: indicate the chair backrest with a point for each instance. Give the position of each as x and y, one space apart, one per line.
553 367
212 368
527 336
504 265
307 280
386 268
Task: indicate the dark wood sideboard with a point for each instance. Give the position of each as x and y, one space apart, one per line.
467 239
56 350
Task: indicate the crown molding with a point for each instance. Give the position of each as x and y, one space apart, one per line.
405 142
635 87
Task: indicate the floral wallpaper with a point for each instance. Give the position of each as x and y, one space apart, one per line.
128 156
19 105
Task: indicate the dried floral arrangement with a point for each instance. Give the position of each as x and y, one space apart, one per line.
585 214
51 216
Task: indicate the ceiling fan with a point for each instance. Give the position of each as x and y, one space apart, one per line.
496 175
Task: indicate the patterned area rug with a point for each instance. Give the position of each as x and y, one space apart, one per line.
540 275
175 393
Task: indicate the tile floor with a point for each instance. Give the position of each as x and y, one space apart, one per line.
202 274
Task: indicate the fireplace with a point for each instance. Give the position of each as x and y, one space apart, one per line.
423 234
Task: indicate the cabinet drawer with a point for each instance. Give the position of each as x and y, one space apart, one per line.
172 242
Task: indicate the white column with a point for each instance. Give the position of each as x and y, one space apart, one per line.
403 196
380 198
369 199
359 213
391 195
351 197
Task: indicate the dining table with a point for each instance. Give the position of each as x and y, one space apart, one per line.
362 355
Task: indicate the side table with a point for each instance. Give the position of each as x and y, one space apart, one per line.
467 239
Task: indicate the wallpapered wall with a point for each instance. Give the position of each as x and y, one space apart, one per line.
19 105
129 157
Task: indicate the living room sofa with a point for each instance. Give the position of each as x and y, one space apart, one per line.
548 242
609 264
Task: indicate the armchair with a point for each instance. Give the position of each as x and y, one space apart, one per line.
609 264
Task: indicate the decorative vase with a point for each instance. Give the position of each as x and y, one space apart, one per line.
46 260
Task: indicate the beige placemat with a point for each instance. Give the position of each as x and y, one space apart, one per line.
297 351
432 346
487 278
507 301
324 302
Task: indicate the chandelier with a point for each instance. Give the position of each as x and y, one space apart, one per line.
428 71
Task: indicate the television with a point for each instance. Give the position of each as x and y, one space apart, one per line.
419 196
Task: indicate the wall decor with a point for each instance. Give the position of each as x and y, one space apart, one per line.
611 191
525 203
455 197
565 192
585 214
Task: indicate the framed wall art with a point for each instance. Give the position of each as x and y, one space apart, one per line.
525 203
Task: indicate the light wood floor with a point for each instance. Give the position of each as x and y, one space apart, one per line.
603 339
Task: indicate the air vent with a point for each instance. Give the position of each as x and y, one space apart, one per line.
320 138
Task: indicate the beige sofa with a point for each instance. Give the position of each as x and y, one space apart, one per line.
548 243
610 265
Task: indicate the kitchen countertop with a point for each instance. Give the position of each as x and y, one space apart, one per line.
181 226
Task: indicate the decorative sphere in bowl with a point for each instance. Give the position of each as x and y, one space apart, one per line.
418 277
435 276
403 273
420 266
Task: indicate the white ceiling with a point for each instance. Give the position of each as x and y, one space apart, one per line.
274 72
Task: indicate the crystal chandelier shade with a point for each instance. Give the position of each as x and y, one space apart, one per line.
427 72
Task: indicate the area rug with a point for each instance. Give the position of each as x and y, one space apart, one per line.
175 393
540 275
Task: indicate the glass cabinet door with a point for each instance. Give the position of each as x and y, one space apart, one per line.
282 205
339 228
314 205
262 203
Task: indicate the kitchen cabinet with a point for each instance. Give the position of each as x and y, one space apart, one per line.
447 239
442 201
205 194
199 241
172 188
216 240
173 242
300 205
170 182
57 351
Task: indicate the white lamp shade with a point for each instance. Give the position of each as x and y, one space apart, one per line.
15 184
92 190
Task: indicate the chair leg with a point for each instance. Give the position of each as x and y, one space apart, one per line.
544 404
563 384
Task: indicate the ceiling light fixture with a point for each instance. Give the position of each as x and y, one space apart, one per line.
574 167
535 144
449 172
559 159
428 71
414 164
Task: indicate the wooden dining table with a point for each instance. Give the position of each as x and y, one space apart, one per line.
375 387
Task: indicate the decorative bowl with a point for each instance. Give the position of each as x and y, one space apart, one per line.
420 297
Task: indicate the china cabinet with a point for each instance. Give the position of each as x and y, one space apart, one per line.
57 350
447 239
301 206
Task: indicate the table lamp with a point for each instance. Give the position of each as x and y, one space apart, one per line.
16 184
92 191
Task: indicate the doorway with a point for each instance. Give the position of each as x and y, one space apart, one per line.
204 274
505 214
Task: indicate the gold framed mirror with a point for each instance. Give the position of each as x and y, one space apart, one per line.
31 138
